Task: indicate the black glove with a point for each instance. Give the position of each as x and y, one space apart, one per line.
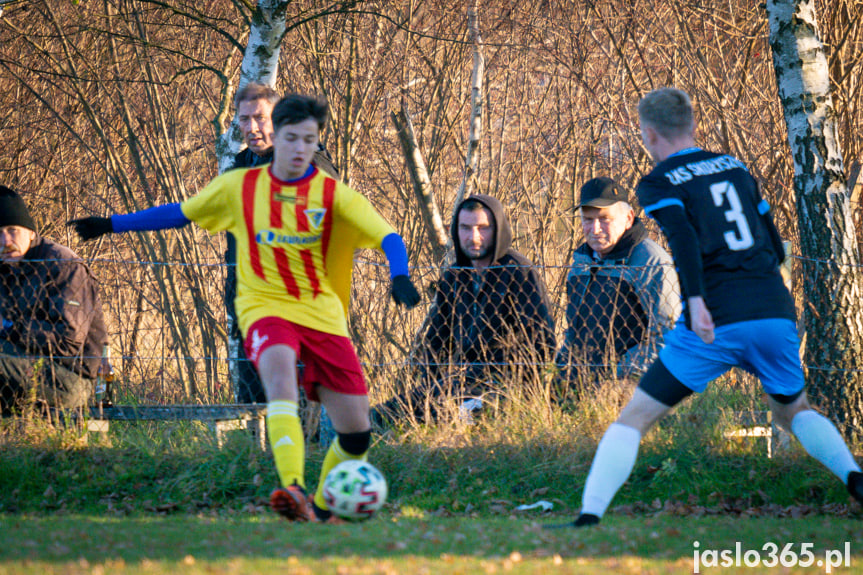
92 227
404 292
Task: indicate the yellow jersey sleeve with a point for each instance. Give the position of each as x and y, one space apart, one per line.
214 208
355 210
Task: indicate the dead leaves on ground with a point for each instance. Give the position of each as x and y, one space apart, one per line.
735 507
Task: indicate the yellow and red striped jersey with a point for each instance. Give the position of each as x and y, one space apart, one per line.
295 243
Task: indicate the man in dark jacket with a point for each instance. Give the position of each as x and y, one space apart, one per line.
622 291
255 104
52 326
490 320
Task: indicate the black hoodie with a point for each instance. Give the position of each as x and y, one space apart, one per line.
489 319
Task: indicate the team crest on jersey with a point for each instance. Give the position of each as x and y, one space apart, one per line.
315 216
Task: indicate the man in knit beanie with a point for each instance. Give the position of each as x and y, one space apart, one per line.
51 325
18 229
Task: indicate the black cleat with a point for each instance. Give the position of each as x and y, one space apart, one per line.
855 485
584 520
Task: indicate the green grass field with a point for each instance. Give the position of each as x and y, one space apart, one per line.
264 544
160 498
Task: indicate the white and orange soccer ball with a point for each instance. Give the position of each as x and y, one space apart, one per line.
355 490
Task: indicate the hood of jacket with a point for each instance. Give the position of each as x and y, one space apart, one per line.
502 230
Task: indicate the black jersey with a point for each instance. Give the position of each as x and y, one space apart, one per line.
721 235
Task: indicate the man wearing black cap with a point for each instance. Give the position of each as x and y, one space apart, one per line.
622 291
52 330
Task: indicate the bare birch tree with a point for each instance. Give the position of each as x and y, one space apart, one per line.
260 64
831 281
471 159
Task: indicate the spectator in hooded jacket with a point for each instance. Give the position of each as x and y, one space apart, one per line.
52 327
490 320
622 291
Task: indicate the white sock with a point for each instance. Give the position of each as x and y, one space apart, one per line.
822 441
612 464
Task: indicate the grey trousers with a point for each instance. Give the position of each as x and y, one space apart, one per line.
26 379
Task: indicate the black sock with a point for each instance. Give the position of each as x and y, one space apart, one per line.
855 485
321 514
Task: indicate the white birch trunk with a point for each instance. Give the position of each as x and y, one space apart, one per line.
832 316
261 65
471 156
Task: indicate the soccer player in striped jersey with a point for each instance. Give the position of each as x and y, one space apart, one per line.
296 230
737 311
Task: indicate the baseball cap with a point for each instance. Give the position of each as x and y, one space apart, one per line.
601 192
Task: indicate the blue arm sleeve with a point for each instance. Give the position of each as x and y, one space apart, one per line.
397 254
156 218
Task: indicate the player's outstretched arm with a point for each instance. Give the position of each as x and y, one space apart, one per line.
403 290
157 218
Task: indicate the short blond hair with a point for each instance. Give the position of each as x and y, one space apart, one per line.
668 111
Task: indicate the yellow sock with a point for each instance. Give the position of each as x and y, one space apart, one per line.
335 455
286 441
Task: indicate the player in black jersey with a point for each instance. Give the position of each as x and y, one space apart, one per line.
737 311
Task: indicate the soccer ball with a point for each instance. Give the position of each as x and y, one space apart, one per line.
355 489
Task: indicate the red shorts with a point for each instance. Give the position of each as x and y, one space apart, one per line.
328 360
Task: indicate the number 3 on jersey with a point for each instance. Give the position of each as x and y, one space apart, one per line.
742 238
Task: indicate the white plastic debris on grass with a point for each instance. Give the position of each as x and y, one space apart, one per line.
542 505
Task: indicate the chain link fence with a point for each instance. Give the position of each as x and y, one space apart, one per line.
166 327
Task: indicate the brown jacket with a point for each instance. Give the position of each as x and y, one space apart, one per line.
52 301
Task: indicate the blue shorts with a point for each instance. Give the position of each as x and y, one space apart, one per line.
766 348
